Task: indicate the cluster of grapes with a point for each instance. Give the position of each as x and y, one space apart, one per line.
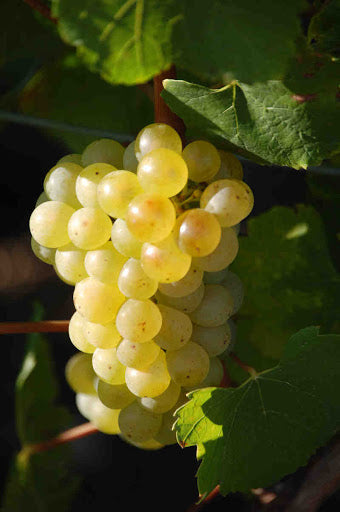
148 250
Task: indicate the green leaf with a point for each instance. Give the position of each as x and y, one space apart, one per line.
263 122
288 276
66 91
324 28
269 426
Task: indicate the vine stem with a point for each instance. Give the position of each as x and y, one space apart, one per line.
244 366
28 327
43 9
162 112
71 434
200 504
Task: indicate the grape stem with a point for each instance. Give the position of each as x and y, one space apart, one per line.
249 369
28 327
162 112
43 9
204 501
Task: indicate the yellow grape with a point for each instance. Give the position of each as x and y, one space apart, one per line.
87 183
45 254
124 241
77 334
151 382
137 355
164 402
176 328
137 424
214 376
215 308
215 340
116 190
102 335
103 151
96 301
69 263
60 183
150 217
104 263
49 222
222 256
73 158
189 365
202 159
89 228
130 161
197 232
79 373
134 283
154 136
184 286
231 167
187 304
107 366
139 320
114 396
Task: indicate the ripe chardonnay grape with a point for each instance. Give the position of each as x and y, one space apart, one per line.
73 158
187 304
79 373
105 263
89 228
215 340
87 183
202 159
114 396
197 232
184 286
231 167
137 355
137 424
77 334
60 183
103 151
176 328
151 382
107 366
69 263
215 308
189 365
45 254
134 283
124 241
130 161
49 223
222 256
116 190
139 320
164 402
96 301
154 136
102 335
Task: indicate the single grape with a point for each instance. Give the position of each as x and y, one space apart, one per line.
96 301
48 223
176 328
60 183
150 217
45 254
130 161
230 200
222 256
116 190
69 263
164 402
77 335
189 365
235 286
231 167
86 404
215 277
124 241
87 183
197 232
137 355
89 228
73 158
102 335
215 340
186 304
114 396
139 320
154 136
134 283
164 261
202 159
188 284
105 151
79 373
215 308
151 382
105 419
105 263
137 424
107 366
162 171
214 376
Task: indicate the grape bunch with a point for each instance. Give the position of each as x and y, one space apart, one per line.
145 235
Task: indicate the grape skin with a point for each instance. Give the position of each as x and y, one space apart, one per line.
130 161
163 402
87 183
89 228
176 328
197 232
96 301
116 190
222 256
138 424
60 183
215 308
105 151
114 396
151 382
79 373
154 136
77 334
137 355
139 320
184 286
134 283
45 254
107 366
187 304
104 263
69 263
124 241
102 335
215 340
49 222
189 365
202 159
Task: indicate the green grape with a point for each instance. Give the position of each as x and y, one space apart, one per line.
215 340
222 256
164 261
104 263
230 167
89 228
186 304
215 308
60 184
79 373
176 328
197 232
102 335
203 160
154 136
77 335
230 200
164 402
189 365
130 161
214 377
107 366
105 419
86 404
150 217
188 284
151 382
137 355
139 320
116 190
87 183
105 151
114 396
137 424
235 286
124 241
215 277
73 158
162 171
45 254
134 283
42 199
96 301
69 263
48 223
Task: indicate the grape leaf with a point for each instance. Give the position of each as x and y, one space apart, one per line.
324 28
264 121
288 276
269 426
